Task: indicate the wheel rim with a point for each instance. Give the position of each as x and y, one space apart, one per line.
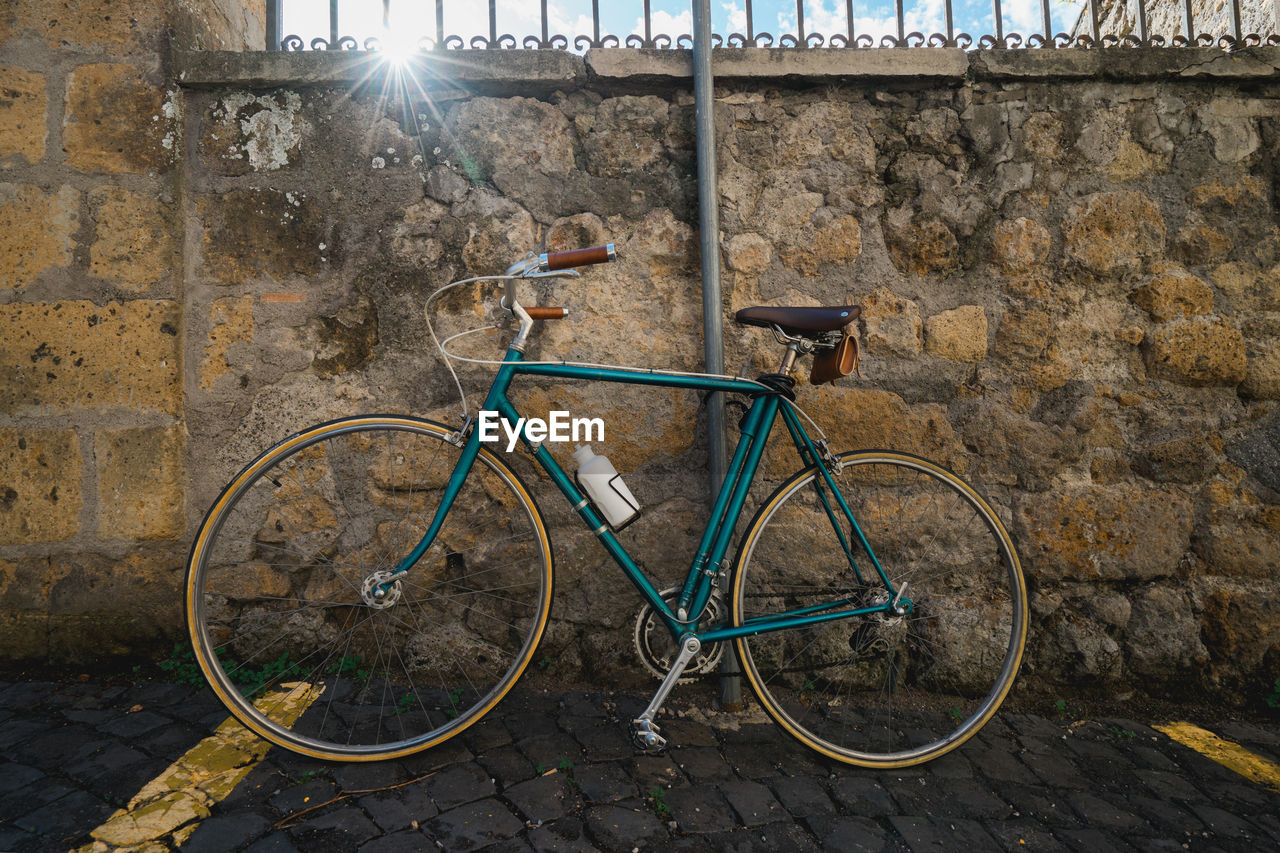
303 631
884 691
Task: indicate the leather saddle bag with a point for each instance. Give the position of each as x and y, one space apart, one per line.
835 363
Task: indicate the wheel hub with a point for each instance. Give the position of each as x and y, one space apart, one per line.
376 594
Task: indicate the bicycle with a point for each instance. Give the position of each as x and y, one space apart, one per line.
371 586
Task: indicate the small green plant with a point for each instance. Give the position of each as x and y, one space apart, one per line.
1273 700
405 703
254 682
351 668
545 663
454 698
182 666
1121 734
956 713
658 797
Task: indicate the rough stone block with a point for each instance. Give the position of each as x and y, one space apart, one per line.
1019 245
238 25
253 232
1238 545
1096 533
133 242
1163 637
1173 293
1015 449
23 101
1238 619
1233 131
920 246
576 232
1179 459
40 494
117 121
231 320
103 605
500 232
866 418
837 242
1248 287
125 25
1113 233
1023 333
36 231
959 334
748 253
892 324
140 494
58 356
1199 245
1199 351
622 136
1262 379
491 135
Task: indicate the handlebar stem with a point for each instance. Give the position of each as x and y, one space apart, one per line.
526 322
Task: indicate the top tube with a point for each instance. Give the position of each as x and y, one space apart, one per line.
637 376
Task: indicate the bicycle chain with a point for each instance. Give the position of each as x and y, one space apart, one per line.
704 676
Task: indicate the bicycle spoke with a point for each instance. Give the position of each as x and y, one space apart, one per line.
400 661
884 689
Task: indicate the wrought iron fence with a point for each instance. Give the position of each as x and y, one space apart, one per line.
1100 23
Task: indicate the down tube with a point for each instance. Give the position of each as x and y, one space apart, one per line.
588 513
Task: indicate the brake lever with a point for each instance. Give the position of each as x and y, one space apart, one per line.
552 274
527 270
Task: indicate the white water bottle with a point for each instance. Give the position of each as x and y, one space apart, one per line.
602 483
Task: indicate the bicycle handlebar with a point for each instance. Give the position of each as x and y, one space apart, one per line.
550 261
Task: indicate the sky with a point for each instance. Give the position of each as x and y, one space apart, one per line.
411 18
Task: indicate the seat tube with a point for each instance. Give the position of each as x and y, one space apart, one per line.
715 540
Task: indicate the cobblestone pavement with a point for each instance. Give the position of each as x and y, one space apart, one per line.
548 771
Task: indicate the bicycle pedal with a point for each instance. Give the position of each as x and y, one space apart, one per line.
645 737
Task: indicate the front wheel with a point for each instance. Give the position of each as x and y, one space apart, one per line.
881 690
298 624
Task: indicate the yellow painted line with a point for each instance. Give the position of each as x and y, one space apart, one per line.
172 805
1233 756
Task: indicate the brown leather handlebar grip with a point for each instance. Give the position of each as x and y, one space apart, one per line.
546 312
577 257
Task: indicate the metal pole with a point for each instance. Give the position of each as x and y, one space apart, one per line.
712 303
275 23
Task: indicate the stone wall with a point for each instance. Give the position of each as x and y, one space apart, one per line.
1069 264
93 478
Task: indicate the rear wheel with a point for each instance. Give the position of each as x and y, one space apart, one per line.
882 690
291 615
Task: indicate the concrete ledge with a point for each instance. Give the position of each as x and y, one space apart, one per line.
1124 63
507 70
758 62
544 71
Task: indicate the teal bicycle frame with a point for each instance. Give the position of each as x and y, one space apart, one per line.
768 402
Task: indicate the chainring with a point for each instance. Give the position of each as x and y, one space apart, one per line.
657 650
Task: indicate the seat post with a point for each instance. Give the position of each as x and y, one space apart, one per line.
789 360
